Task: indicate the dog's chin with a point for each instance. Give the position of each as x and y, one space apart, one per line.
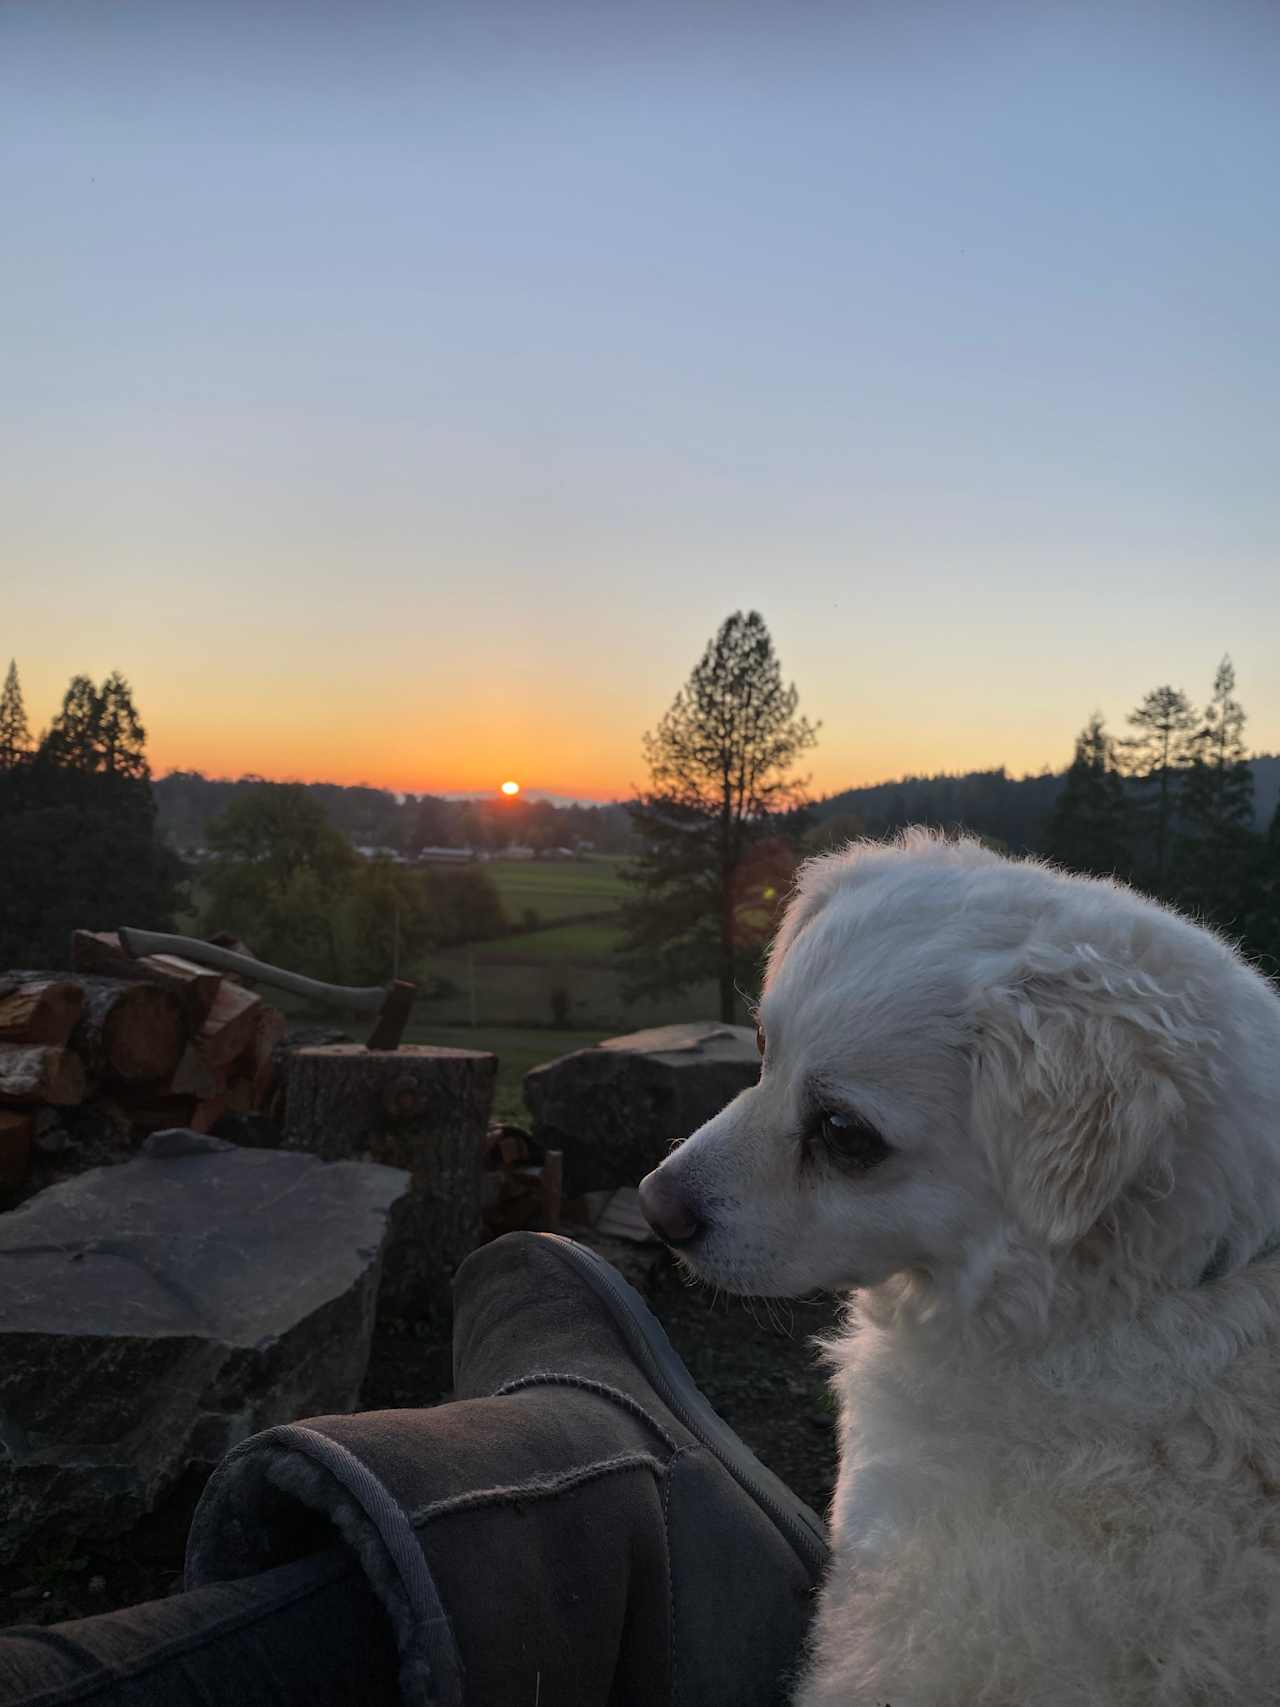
738 1273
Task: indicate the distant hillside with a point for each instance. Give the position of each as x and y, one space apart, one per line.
186 803
1013 810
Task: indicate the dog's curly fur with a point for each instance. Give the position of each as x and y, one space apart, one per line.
1059 1381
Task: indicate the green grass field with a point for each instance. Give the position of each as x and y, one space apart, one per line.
589 943
502 995
559 889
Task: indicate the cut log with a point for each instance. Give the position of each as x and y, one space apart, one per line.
17 1128
418 1108
40 1073
40 1012
231 1025
130 1032
206 1114
195 986
239 1096
259 1061
194 1077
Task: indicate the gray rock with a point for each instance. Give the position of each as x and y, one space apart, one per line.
616 1109
154 1314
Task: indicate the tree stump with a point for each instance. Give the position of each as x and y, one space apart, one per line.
418 1108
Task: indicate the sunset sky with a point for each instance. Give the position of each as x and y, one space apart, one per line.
404 393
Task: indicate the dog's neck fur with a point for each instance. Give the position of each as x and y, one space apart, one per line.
1155 1382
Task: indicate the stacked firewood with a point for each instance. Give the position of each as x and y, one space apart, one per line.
154 1042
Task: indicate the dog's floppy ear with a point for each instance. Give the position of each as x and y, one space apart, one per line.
1078 1069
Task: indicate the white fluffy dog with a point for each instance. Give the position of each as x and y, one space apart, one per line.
1032 1123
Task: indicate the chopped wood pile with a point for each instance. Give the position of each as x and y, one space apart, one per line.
149 1043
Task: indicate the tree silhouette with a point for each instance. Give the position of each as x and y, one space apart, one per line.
78 842
1154 759
719 763
1216 830
1088 829
15 736
73 741
121 738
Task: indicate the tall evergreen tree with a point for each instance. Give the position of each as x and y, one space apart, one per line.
1218 794
1255 919
74 739
121 737
15 736
1088 829
78 842
1215 856
719 763
1154 760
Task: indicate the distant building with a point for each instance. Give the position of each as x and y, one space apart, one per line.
448 856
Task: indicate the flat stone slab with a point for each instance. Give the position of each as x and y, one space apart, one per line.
616 1109
154 1314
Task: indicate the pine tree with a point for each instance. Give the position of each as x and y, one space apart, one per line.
719 763
1214 852
1218 795
73 741
1089 828
1154 761
121 737
78 841
15 736
1255 918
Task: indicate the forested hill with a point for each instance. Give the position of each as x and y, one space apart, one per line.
187 802
1013 810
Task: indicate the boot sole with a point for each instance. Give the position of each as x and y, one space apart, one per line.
667 1375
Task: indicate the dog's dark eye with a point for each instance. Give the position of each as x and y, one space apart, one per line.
850 1141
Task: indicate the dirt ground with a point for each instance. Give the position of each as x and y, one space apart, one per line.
762 1376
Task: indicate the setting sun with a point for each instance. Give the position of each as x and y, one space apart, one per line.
511 788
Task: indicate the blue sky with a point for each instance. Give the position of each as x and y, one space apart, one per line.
405 393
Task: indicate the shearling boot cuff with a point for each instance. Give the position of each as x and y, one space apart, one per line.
280 1496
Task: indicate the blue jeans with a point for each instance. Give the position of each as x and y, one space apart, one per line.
310 1633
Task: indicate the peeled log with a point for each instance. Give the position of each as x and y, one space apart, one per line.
418 1108
40 1012
36 1073
130 1032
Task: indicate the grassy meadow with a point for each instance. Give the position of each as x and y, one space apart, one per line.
500 995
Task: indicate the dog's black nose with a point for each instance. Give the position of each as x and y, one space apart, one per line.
671 1216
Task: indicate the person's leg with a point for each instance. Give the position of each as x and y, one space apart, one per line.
308 1634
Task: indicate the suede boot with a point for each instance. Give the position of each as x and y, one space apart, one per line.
577 1527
